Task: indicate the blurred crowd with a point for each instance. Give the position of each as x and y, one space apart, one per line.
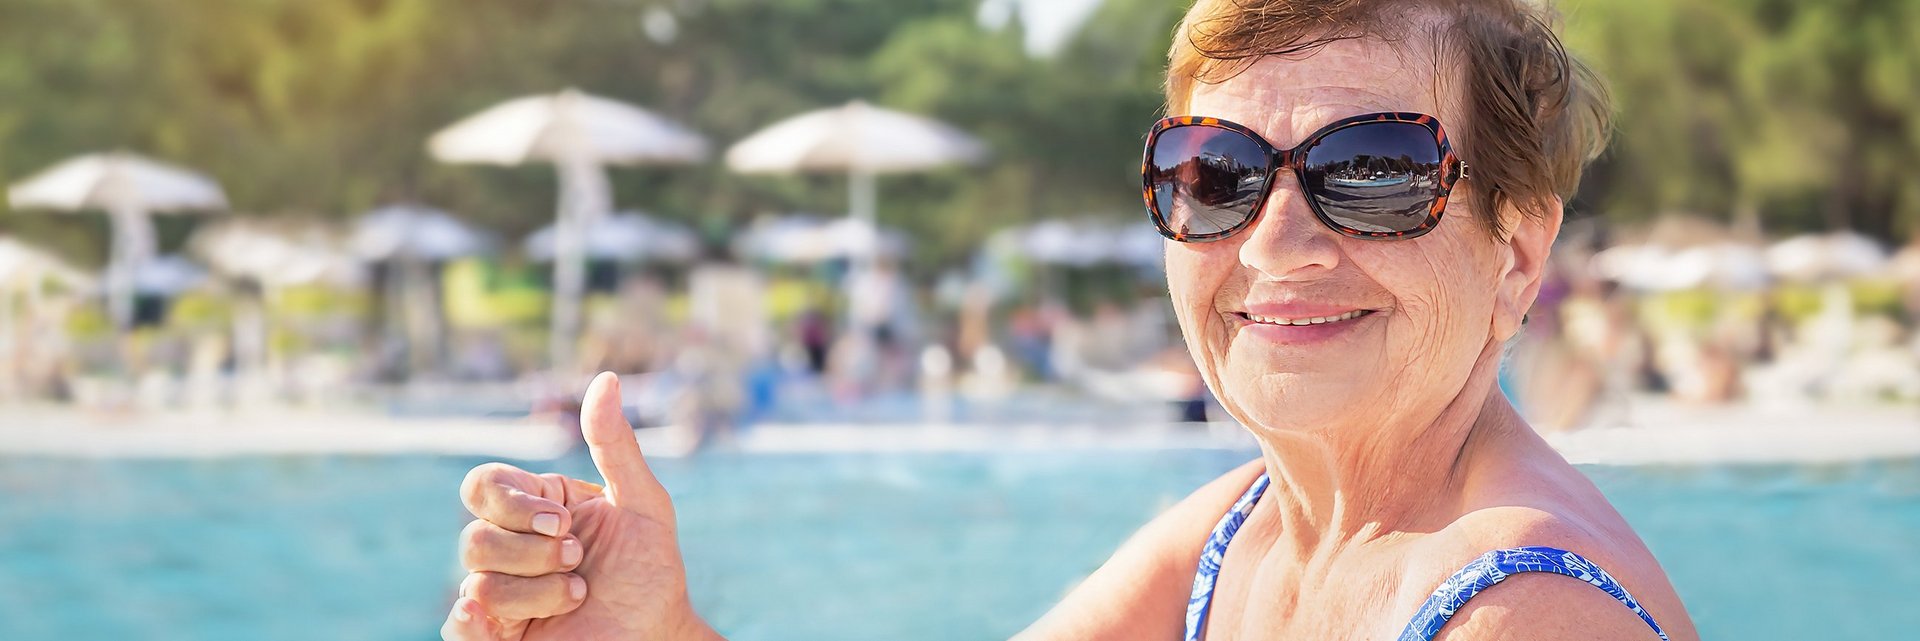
764 331
1704 313
783 318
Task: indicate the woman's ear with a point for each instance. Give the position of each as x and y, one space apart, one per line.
1526 248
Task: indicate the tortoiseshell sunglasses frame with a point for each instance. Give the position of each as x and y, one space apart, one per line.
1452 171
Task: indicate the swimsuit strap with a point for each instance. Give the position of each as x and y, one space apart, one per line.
1494 567
1215 550
1491 568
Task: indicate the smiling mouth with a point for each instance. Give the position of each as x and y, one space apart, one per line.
1318 320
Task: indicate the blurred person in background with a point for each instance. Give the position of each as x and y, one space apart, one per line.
711 378
1906 269
815 333
726 335
1561 400
878 353
1346 277
626 335
1597 321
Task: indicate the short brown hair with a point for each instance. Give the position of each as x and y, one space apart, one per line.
1535 114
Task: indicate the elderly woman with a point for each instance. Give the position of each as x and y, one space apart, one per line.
1359 197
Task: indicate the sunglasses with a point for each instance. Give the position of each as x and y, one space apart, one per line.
1377 176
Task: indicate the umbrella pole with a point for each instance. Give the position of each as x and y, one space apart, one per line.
422 351
120 259
249 344
579 177
862 195
567 281
393 327
119 289
9 379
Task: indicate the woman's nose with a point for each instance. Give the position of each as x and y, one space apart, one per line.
1288 240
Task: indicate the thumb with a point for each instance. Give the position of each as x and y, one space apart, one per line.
630 483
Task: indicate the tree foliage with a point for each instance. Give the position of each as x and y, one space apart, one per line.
1798 111
1801 112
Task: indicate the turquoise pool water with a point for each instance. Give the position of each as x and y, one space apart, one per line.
895 546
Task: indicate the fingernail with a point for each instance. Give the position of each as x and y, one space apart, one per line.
577 587
570 551
546 523
461 612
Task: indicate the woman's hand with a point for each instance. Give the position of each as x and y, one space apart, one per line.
558 558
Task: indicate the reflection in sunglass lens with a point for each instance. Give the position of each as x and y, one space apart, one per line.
1206 180
1375 177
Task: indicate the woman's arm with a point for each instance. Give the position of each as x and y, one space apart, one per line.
1141 592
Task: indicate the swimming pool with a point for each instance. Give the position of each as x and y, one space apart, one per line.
835 546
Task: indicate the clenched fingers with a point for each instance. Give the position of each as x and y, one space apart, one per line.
485 547
518 598
466 622
516 499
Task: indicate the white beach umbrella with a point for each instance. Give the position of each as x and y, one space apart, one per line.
800 238
25 271
855 138
850 238
1732 265
1139 244
1729 266
861 140
580 134
858 139
117 179
782 239
408 239
1086 242
1821 256
624 236
415 232
1077 243
567 126
1646 267
168 276
277 253
1656 268
24 267
129 188
1059 242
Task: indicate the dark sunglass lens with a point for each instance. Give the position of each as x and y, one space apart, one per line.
1205 180
1375 177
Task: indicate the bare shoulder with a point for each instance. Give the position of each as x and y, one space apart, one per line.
1537 605
1141 591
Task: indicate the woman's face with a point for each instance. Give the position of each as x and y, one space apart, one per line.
1431 304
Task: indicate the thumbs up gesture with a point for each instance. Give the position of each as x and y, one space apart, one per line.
552 557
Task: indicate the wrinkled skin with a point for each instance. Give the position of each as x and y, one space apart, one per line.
1439 299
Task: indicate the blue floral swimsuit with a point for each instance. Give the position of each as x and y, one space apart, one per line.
1492 567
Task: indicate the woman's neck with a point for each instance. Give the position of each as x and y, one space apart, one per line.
1344 486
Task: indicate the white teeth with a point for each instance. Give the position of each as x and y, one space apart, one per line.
1268 320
